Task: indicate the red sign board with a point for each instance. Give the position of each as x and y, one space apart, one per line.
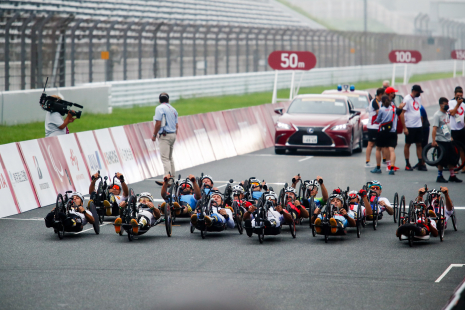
458 54
291 60
405 56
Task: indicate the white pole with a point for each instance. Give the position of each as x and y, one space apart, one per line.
455 68
298 85
275 87
405 75
292 85
393 75
463 68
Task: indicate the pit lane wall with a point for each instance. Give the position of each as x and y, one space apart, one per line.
33 172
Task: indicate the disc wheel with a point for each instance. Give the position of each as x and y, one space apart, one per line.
396 206
168 221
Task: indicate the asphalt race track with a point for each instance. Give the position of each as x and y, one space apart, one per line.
232 271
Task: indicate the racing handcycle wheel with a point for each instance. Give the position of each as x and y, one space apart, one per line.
359 222
396 206
432 155
60 208
375 213
292 227
411 235
130 236
454 221
192 229
203 233
168 222
458 147
261 235
441 219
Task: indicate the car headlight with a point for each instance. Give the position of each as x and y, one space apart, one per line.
365 121
283 125
339 127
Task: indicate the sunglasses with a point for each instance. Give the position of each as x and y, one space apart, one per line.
115 187
183 186
255 184
376 188
352 196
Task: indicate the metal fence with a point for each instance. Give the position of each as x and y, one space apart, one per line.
68 50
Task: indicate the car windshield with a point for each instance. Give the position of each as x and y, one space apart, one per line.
359 101
318 106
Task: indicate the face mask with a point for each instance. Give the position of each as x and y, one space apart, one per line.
446 107
417 95
256 195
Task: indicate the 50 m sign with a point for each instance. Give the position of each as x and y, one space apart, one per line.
291 60
405 56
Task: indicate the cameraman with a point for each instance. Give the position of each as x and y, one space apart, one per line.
54 123
456 111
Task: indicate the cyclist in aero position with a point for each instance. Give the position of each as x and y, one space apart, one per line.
221 214
207 183
238 195
118 193
435 197
256 188
294 204
276 216
358 202
341 219
312 187
148 215
78 216
383 202
189 195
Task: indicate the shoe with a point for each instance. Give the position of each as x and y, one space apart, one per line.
431 213
455 179
391 172
177 208
333 223
440 179
194 219
367 164
159 183
376 170
142 222
388 168
318 226
117 224
135 226
107 206
415 167
208 221
408 168
422 168
88 204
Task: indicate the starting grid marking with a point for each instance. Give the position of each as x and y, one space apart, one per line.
447 271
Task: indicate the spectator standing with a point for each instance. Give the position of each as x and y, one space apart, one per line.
166 128
425 126
456 111
385 84
391 93
411 120
372 126
441 135
54 123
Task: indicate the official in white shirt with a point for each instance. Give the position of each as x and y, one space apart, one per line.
456 111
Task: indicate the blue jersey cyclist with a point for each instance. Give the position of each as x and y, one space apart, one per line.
341 217
255 189
206 183
188 195
312 187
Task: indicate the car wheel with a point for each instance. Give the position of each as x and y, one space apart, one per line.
279 151
359 148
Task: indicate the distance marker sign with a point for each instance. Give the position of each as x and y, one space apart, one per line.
405 56
458 54
291 60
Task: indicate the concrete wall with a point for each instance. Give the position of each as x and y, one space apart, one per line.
22 106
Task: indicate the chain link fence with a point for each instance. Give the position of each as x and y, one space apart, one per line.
68 50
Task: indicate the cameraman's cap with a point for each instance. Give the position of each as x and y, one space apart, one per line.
417 88
458 89
390 90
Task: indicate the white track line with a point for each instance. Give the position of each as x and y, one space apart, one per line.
447 270
16 219
89 229
308 157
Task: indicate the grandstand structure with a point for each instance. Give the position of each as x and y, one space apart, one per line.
64 40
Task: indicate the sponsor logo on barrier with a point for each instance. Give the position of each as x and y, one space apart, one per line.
18 177
73 159
3 183
44 186
126 154
94 162
111 157
59 171
36 163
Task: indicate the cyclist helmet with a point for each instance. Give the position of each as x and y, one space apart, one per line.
115 184
271 195
435 192
254 183
375 184
186 184
290 189
353 194
238 189
216 192
312 184
337 196
207 177
146 195
79 195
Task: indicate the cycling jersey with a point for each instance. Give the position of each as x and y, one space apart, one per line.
256 195
188 200
273 216
206 190
341 218
81 215
293 207
371 109
146 212
319 202
355 207
246 205
220 218
380 207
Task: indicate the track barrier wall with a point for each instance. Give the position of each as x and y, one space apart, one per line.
33 172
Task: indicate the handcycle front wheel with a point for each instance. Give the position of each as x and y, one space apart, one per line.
203 233
396 206
454 221
261 235
192 229
130 236
292 227
168 220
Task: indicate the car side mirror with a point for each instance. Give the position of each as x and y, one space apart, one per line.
279 111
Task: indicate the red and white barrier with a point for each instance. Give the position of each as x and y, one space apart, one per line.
33 172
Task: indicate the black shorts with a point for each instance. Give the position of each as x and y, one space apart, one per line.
458 135
386 139
449 157
424 141
415 135
372 135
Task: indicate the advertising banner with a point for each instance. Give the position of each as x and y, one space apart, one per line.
109 153
218 134
185 130
8 206
91 153
39 172
181 154
197 128
126 154
144 132
244 132
76 164
140 153
57 165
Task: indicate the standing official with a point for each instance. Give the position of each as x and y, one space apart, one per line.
166 128
456 110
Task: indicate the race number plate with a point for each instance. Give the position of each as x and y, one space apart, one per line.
310 139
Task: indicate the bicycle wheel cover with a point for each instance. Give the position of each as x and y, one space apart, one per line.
433 161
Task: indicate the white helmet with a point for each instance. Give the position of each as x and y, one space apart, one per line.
79 195
313 183
271 195
186 182
207 177
290 189
238 188
146 195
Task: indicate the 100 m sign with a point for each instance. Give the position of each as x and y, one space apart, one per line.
405 56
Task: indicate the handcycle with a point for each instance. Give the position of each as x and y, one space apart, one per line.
416 214
101 196
237 210
131 211
282 200
360 218
440 211
262 226
373 199
64 204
